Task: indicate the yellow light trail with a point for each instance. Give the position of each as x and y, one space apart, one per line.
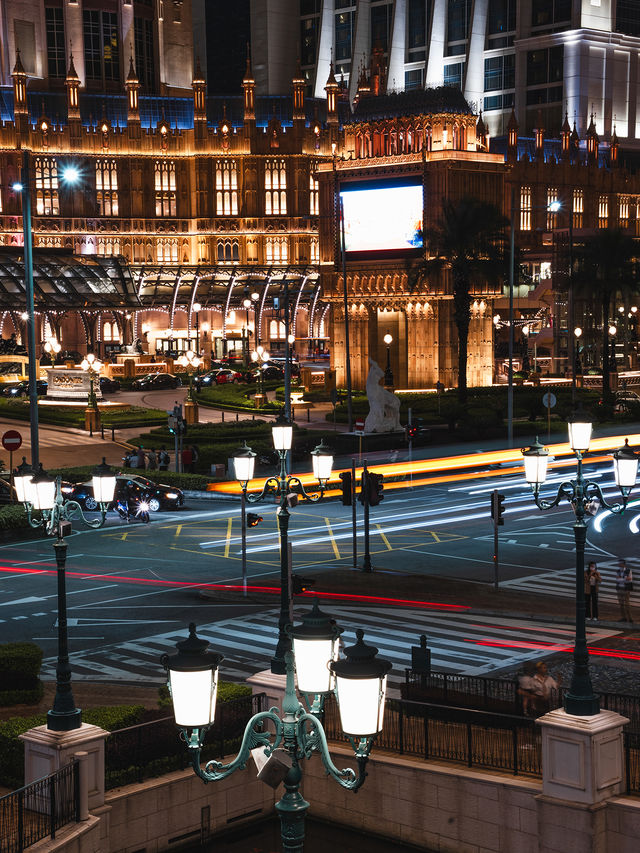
449 468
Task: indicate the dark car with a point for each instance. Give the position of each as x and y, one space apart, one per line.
21 389
280 363
108 386
158 496
205 380
270 373
156 381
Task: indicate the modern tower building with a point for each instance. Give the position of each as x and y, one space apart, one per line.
541 57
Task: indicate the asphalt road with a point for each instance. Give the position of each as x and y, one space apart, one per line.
129 584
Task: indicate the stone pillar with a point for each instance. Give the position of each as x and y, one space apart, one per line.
582 767
91 419
191 412
272 685
46 751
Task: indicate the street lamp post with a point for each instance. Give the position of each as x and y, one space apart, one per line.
43 493
22 187
259 356
246 303
191 362
360 687
581 701
92 366
244 461
282 486
255 297
388 373
52 348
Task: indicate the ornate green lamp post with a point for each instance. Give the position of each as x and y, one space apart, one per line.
581 701
359 683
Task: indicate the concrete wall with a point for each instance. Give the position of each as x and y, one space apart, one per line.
445 808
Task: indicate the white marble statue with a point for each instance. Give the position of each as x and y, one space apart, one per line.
384 406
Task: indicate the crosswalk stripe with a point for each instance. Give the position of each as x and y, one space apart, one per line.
464 644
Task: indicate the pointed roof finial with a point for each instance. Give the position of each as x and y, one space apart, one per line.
132 76
566 127
18 68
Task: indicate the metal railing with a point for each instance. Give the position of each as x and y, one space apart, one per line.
501 695
461 735
151 749
39 809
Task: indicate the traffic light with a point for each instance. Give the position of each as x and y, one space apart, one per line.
412 432
253 519
375 488
497 507
300 584
347 499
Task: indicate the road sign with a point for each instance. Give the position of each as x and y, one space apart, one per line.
359 425
12 440
549 400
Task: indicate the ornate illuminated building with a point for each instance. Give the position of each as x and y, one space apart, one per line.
198 216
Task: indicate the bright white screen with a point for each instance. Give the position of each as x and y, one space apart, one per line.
382 219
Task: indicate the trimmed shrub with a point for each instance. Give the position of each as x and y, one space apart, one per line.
20 673
13 517
12 749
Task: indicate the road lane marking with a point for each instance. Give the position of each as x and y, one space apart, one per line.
334 544
178 529
384 538
228 541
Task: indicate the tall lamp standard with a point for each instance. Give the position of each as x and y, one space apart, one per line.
191 362
43 493
259 356
580 701
246 303
255 298
92 366
359 683
388 373
52 348
244 461
282 486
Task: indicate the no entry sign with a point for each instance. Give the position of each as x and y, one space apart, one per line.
359 424
12 440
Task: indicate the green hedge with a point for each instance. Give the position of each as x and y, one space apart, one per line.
73 416
236 397
13 517
20 673
228 691
12 749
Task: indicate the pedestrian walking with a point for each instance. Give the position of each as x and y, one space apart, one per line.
152 462
624 587
141 458
592 580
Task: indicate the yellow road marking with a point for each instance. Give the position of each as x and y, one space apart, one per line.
384 538
334 544
436 538
178 529
124 535
228 543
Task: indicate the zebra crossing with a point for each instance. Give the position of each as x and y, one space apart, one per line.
562 583
460 643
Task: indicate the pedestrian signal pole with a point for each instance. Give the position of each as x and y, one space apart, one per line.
364 497
354 517
497 510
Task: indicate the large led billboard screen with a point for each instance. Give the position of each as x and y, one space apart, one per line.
382 217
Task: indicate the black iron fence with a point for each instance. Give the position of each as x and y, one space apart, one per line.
632 761
462 735
38 810
500 695
151 749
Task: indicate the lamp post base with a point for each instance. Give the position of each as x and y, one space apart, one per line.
64 721
91 419
191 412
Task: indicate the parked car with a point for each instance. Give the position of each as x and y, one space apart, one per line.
625 401
280 362
270 373
156 381
205 380
226 375
21 389
108 386
159 496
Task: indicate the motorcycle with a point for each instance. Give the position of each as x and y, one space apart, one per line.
132 509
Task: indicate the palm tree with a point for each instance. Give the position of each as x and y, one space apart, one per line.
605 268
467 240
